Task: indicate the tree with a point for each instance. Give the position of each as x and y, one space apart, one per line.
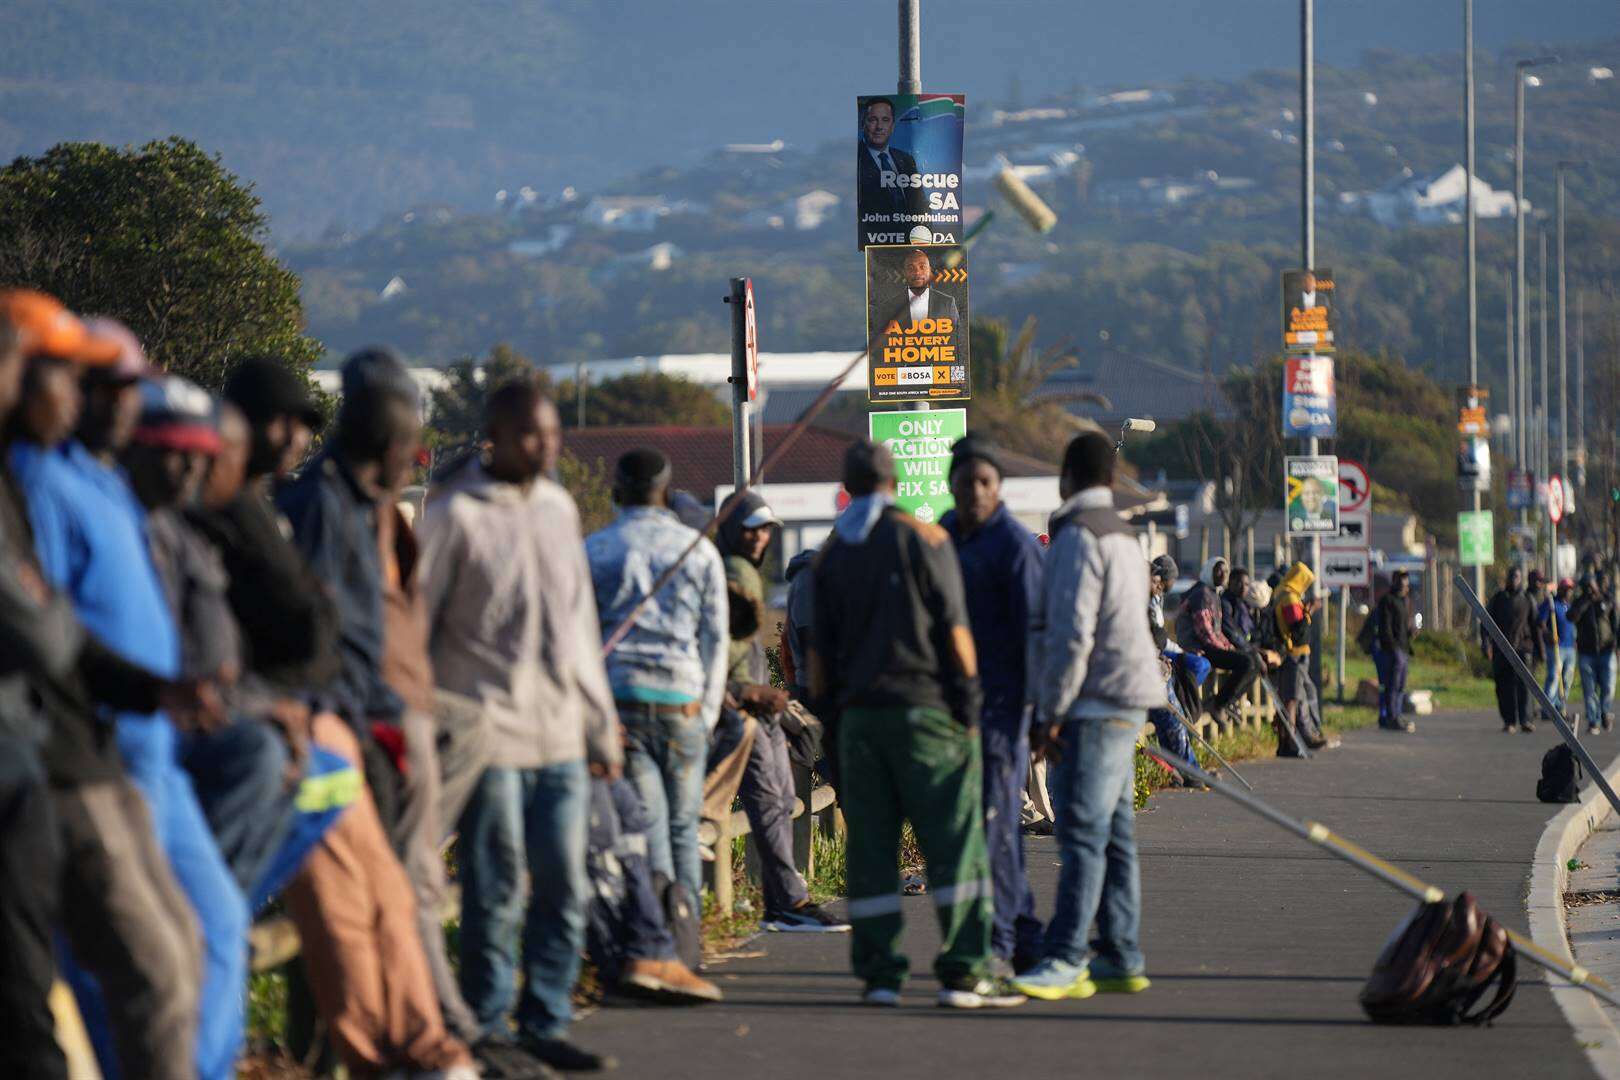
1009 403
457 408
162 238
646 398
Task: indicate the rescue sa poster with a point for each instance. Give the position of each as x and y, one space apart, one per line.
908 168
917 323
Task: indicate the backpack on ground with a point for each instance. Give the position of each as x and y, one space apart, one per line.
1561 776
1440 962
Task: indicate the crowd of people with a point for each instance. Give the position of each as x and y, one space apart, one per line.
239 670
1566 627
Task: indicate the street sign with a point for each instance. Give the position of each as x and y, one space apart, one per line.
1476 538
1555 499
1310 407
1312 495
1520 489
921 444
1346 568
1355 532
1355 489
917 324
1521 543
751 340
1309 315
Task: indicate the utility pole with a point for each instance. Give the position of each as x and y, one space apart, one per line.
1580 386
741 467
1307 151
1563 343
1544 417
1512 371
1471 246
1522 340
911 74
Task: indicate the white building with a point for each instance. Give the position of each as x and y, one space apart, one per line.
802 213
627 213
1434 199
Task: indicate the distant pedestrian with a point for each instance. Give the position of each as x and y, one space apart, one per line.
1557 633
1596 631
1094 676
1294 607
1514 615
1392 646
894 657
1001 576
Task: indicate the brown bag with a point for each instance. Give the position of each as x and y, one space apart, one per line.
1437 966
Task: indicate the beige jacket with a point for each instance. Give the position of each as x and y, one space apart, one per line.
512 617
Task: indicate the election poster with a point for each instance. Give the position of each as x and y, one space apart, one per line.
921 444
1310 407
1312 495
908 169
1309 317
917 323
1476 538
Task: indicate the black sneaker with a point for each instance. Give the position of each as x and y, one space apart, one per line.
993 993
503 1059
808 919
567 1057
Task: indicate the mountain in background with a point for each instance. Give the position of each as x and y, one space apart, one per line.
344 112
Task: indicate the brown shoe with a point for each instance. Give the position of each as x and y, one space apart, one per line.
667 981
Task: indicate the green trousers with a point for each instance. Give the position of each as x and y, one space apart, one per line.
918 765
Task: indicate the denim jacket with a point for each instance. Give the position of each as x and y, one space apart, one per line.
678 646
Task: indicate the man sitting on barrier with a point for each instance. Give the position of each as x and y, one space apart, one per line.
1199 630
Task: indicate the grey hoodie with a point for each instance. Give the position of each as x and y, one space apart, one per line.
512 617
1090 642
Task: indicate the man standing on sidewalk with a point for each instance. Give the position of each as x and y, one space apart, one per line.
1557 633
1293 609
1514 615
1094 674
1596 629
1392 644
1001 577
669 672
512 623
893 656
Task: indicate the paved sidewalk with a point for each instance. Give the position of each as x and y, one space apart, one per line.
1257 944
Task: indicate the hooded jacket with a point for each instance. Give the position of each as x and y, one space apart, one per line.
1198 623
891 626
1001 574
1514 614
512 618
745 588
1089 641
1292 617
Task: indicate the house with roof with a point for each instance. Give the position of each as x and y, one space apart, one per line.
1438 198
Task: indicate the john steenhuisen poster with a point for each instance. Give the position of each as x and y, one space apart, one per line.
908 169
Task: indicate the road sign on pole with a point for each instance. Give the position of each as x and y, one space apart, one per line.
1476 538
1555 499
1355 489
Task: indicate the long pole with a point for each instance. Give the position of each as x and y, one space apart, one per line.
910 81
1563 355
1512 371
1580 383
1544 420
1307 150
1520 303
1472 257
739 383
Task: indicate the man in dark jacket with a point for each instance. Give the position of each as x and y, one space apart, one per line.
1596 630
1392 644
1199 630
1514 615
1001 576
894 657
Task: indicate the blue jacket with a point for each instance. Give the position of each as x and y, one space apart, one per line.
1566 627
1001 573
90 533
677 651
334 524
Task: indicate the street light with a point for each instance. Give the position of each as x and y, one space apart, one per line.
1563 354
1520 301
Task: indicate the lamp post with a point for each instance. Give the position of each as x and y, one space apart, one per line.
1520 298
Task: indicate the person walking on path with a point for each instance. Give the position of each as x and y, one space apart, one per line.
1514 615
744 536
1596 630
1094 674
1557 633
1001 578
1392 645
512 623
1293 608
892 655
669 672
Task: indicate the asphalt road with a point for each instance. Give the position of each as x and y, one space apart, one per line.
1257 944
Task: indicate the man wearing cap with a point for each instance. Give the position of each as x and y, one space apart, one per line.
1597 627
90 532
513 624
893 658
743 537
669 671
1001 578
77 849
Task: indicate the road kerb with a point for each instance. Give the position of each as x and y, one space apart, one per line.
1594 1028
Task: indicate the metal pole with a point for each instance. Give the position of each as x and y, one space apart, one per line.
739 383
1344 608
579 394
1472 254
1520 303
1307 151
1580 381
1544 419
1512 373
1563 356
910 47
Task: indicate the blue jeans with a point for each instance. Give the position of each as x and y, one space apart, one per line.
1005 742
664 758
517 820
1560 665
238 774
629 923
1096 830
1596 669
147 745
1391 686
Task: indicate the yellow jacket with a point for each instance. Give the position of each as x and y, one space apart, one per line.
1288 607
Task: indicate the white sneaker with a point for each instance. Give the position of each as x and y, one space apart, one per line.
881 996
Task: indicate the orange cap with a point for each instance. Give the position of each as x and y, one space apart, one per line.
46 328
